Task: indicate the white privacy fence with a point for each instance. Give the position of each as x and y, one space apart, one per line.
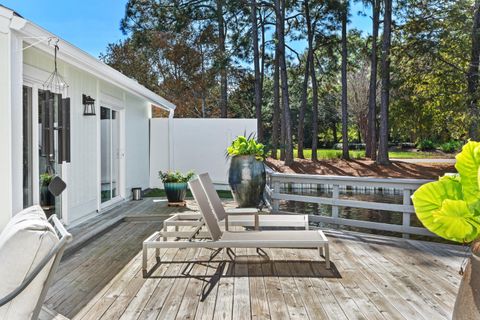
194 144
280 186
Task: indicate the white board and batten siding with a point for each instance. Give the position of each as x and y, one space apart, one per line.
196 144
83 192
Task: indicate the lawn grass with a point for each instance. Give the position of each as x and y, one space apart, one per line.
160 193
326 154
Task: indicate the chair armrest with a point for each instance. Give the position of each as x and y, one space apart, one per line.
242 211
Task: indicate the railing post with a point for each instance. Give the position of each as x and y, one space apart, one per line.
406 215
335 196
275 199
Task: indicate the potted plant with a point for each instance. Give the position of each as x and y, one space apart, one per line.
450 208
175 184
246 175
47 199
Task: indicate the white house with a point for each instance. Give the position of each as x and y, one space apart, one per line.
43 128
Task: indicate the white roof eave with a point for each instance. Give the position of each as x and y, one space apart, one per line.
84 61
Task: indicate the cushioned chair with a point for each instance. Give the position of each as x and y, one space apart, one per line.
30 250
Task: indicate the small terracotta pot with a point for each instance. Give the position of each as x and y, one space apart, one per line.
467 304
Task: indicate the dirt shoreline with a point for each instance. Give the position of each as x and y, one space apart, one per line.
364 168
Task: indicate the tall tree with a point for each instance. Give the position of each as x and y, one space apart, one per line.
280 8
276 104
382 157
472 75
222 57
256 65
301 111
345 153
371 141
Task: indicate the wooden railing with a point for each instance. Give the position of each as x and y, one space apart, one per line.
278 185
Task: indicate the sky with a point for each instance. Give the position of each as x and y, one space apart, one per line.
92 24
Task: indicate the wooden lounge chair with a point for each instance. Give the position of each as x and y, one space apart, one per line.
245 217
216 239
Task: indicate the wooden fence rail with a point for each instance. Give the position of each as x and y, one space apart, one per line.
279 184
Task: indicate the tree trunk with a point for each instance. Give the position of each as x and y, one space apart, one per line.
382 157
276 107
345 153
371 140
301 113
280 22
313 75
472 76
223 59
256 64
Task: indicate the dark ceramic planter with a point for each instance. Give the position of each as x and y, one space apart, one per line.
467 304
46 197
176 191
247 180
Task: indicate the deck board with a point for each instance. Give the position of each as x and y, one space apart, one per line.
373 277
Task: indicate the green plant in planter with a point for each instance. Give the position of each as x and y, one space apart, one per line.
450 208
175 184
243 146
175 176
246 175
45 179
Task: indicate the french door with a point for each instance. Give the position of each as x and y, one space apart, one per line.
46 146
110 156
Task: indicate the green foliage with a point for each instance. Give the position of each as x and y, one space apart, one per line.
450 207
426 145
175 176
450 146
45 179
160 193
243 146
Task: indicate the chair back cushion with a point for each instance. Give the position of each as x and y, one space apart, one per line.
25 241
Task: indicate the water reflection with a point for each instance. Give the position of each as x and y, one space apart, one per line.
364 194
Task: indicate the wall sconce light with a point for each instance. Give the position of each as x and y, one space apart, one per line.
88 105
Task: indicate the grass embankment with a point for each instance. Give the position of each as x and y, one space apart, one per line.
160 193
326 154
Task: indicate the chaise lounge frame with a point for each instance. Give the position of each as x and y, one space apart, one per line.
214 238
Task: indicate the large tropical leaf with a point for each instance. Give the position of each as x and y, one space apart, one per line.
441 209
468 163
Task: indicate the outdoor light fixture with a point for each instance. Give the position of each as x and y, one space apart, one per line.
88 105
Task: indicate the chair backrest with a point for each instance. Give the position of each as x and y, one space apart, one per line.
212 196
30 251
207 213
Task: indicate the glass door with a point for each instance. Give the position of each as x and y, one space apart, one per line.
49 104
27 163
109 146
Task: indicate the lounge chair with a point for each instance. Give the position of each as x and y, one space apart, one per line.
245 217
215 238
238 217
30 250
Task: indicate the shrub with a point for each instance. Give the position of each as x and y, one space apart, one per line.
426 145
175 176
243 146
450 146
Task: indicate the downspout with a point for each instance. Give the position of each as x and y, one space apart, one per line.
170 140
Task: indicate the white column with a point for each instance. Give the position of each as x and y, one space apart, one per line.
6 117
17 121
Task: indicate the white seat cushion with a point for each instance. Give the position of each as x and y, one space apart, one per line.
24 242
275 238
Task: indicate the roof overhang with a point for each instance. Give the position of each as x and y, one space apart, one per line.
82 60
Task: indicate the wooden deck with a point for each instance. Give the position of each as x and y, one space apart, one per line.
373 277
